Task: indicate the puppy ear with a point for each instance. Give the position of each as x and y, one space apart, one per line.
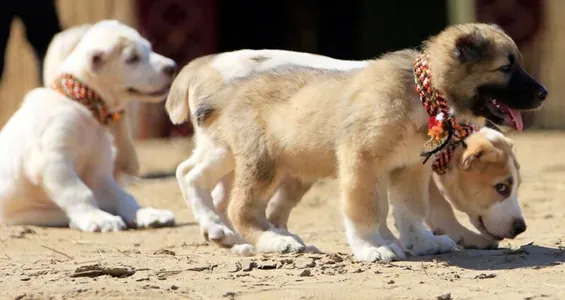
479 152
177 99
97 58
510 143
470 47
512 147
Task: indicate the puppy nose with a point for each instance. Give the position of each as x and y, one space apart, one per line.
519 226
542 94
170 70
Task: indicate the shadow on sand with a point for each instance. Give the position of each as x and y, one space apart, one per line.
527 256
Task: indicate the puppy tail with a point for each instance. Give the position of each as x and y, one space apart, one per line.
177 99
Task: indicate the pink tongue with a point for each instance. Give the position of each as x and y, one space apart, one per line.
517 118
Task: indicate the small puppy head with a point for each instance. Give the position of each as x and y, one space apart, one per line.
120 63
479 68
483 182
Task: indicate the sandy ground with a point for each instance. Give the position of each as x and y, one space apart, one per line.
176 263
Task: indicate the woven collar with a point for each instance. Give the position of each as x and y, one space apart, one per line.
445 132
72 88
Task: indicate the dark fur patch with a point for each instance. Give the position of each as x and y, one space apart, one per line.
471 47
259 58
202 113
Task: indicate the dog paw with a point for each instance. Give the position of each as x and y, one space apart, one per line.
429 244
220 234
386 253
148 217
97 221
271 241
243 250
472 240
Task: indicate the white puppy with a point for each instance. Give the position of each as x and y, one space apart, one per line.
63 43
56 162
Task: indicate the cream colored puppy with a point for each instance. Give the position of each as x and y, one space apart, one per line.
63 43
56 168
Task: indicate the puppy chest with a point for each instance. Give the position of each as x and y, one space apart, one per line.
407 152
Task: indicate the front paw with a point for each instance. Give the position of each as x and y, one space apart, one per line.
275 242
426 243
154 218
471 240
386 253
219 233
97 221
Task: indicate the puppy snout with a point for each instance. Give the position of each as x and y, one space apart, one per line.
170 70
542 94
519 226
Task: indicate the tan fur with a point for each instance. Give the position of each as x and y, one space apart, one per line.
446 70
197 80
309 110
468 184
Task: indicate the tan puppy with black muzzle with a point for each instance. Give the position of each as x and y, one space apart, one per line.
365 126
209 74
56 168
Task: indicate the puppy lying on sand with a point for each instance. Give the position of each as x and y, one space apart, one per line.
368 127
56 165
210 74
63 43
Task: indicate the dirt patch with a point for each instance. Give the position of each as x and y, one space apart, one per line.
176 263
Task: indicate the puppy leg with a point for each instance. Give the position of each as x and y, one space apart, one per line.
384 231
442 220
280 205
70 193
221 196
196 177
254 181
287 196
114 199
126 160
409 197
361 200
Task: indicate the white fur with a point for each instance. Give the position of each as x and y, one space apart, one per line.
370 246
56 162
238 64
197 176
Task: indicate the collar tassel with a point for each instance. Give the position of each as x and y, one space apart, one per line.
445 132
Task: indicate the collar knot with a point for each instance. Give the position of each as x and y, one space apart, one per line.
445 132
72 88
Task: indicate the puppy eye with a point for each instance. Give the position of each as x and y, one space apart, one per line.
505 69
503 189
132 59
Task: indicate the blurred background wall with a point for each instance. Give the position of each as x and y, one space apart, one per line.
354 29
